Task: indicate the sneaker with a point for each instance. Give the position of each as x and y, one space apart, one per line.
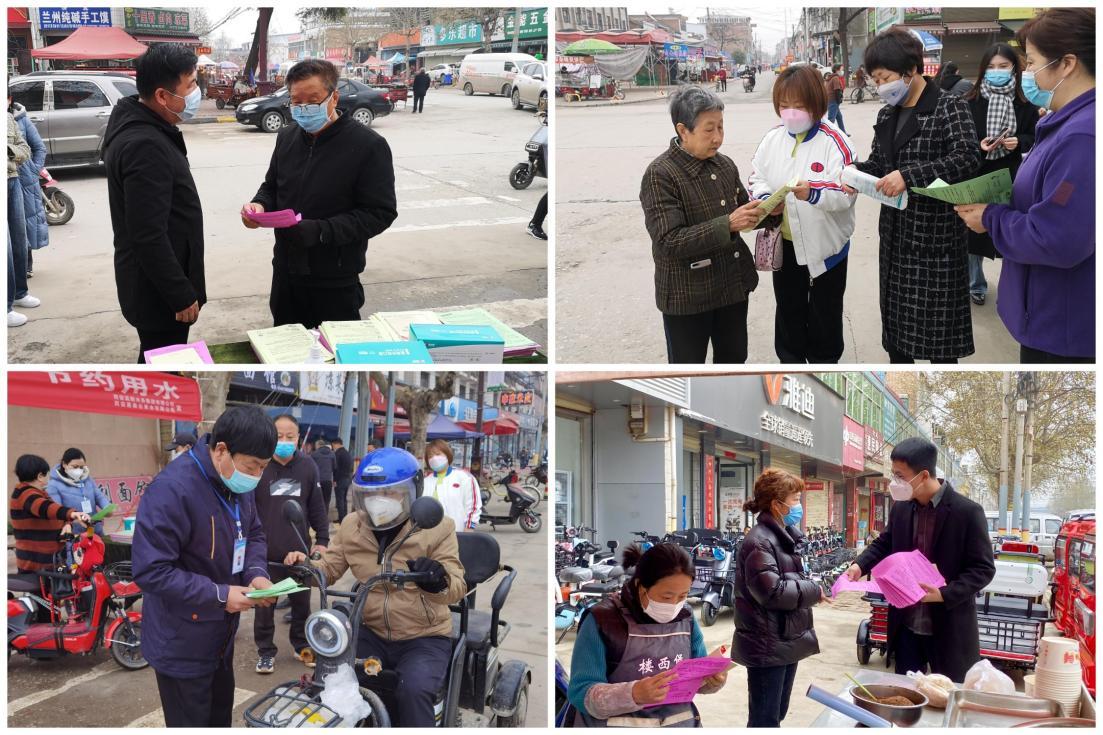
536 231
15 319
266 665
27 302
306 655
978 298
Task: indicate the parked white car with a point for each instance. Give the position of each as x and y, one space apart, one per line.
438 71
530 88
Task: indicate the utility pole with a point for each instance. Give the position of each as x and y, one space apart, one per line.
807 43
1005 428
388 436
363 413
477 452
348 403
516 28
1020 432
1028 459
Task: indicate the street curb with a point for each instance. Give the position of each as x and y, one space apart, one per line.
209 119
614 103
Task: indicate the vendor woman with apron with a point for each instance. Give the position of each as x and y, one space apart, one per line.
629 643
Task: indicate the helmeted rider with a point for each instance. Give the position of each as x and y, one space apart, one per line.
407 629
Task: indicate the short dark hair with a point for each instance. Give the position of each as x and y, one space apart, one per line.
917 453
287 416
802 81
245 430
161 68
30 466
894 50
338 440
70 454
313 68
658 562
1059 31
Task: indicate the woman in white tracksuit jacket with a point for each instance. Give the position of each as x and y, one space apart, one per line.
817 222
457 491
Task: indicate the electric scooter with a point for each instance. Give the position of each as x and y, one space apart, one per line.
537 149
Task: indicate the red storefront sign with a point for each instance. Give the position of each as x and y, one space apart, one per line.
853 444
124 492
148 395
710 491
814 486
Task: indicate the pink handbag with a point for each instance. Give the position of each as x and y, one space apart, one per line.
768 249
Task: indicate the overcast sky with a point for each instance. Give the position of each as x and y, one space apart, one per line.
768 19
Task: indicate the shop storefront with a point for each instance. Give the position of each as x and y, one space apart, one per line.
20 41
532 37
855 511
152 26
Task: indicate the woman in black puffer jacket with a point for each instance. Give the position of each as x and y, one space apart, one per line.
773 598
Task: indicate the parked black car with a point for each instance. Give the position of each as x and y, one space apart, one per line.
271 112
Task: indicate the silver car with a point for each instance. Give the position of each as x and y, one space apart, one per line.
529 87
70 111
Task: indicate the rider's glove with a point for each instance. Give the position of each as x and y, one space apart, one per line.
436 578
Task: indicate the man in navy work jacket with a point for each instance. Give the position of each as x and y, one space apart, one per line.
198 549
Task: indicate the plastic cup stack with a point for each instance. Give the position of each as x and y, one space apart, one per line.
1057 675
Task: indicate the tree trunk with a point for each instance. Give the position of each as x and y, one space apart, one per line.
213 389
260 43
420 404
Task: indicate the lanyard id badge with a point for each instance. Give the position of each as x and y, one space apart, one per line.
239 556
86 505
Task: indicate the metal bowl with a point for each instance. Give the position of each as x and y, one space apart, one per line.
896 714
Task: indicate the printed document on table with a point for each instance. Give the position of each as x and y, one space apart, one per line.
866 184
398 322
992 188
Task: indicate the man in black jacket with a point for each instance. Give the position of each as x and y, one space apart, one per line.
420 87
156 214
339 176
342 477
940 631
326 461
290 475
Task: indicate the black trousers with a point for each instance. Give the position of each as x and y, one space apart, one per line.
421 664
264 621
541 212
914 652
688 336
419 102
204 702
808 321
342 489
1029 355
769 688
327 493
899 358
295 302
151 340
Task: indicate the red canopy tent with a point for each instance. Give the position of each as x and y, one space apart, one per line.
501 426
147 395
628 38
89 43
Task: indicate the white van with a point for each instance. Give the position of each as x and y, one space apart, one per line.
491 73
1044 528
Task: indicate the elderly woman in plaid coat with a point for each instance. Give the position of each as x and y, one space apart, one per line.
923 133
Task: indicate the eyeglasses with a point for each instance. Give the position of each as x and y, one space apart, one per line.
311 109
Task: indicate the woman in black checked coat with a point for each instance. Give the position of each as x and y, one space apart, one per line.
923 133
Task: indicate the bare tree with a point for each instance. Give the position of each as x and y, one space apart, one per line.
214 387
260 39
846 15
721 34
420 404
487 18
406 21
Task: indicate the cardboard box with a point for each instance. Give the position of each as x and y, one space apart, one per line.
459 343
384 353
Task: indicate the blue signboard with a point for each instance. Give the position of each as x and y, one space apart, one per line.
888 420
461 409
55 19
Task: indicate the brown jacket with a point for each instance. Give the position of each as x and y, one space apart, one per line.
686 202
393 613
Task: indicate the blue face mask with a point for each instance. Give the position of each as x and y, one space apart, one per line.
311 118
997 77
285 449
239 482
191 104
792 518
1035 94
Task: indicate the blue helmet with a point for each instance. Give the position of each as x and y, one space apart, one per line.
384 487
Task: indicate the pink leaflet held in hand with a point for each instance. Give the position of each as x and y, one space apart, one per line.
843 584
281 218
899 576
692 673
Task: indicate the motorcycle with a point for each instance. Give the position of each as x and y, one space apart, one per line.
76 606
492 692
523 501
537 149
59 205
748 84
538 478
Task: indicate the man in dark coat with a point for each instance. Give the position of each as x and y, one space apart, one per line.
420 87
339 176
156 214
940 631
326 461
342 477
199 548
290 476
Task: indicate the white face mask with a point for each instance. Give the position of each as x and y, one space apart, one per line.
76 473
382 511
437 463
663 612
901 490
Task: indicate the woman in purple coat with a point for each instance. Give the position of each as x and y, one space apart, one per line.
1046 235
